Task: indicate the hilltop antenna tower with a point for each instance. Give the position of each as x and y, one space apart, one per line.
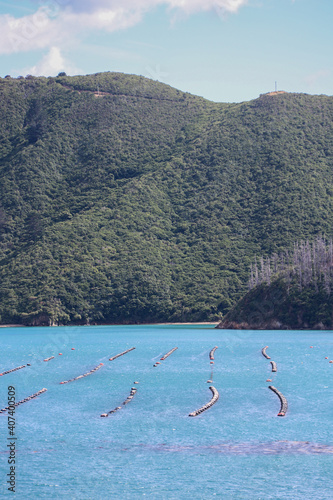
275 86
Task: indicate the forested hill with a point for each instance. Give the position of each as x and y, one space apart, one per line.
125 200
282 306
291 290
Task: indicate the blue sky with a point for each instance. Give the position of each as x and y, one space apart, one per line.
224 50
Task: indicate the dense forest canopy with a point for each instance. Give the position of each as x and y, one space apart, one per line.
125 200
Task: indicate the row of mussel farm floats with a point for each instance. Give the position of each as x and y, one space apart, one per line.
133 391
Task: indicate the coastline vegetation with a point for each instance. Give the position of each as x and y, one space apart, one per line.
292 290
123 200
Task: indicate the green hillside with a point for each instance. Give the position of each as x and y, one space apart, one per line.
125 200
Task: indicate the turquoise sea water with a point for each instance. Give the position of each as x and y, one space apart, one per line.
238 449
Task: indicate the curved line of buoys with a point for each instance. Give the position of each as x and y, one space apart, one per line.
84 375
168 353
211 354
48 359
121 354
284 402
208 405
264 353
24 400
274 367
12 370
127 400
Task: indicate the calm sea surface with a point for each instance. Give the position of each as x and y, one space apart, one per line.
238 449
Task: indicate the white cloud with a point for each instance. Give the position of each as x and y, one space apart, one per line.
57 22
131 5
190 6
40 31
51 64
27 33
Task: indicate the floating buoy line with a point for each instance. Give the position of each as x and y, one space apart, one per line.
127 400
165 356
284 402
208 405
211 357
168 353
28 364
12 370
274 367
211 354
121 354
264 353
84 375
25 400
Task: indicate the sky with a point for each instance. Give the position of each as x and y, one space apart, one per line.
223 50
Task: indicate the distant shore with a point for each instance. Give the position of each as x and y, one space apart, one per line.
129 324
10 326
192 323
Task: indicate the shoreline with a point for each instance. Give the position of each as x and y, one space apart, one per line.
118 324
11 326
191 323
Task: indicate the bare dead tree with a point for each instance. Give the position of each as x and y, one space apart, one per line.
307 263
